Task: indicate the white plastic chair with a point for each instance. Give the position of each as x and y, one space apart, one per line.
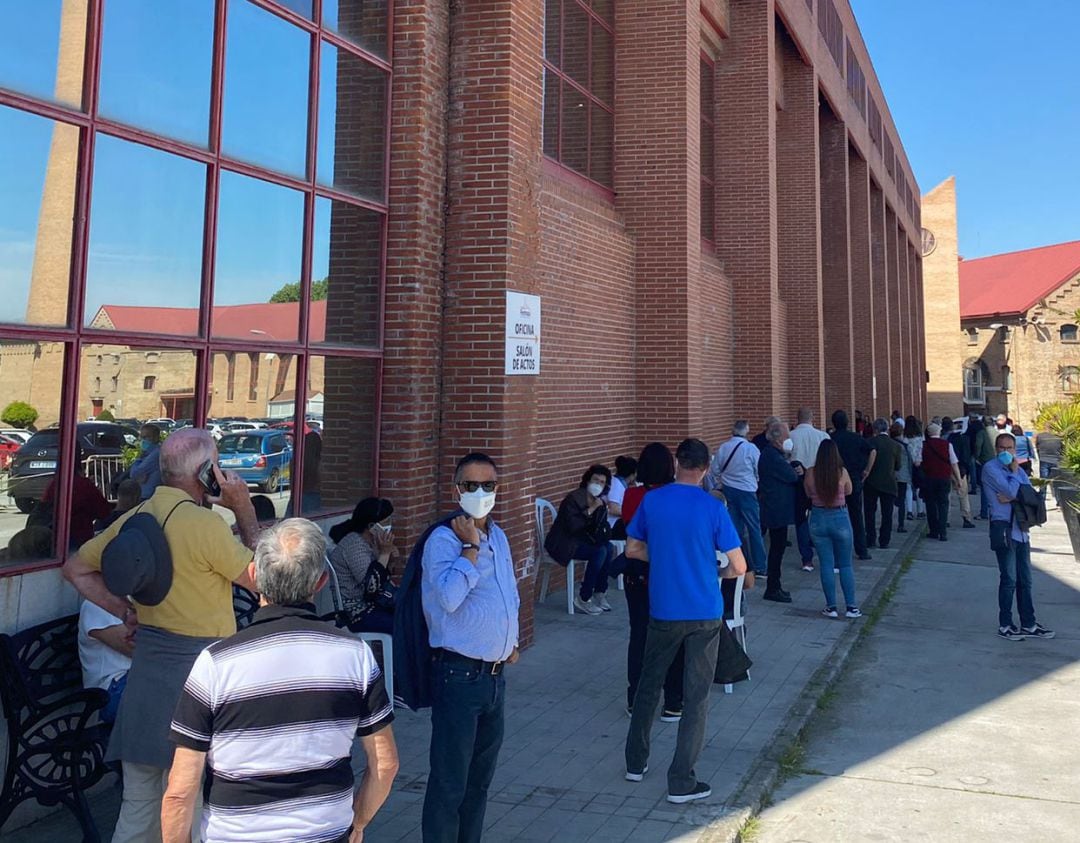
386 641
618 546
543 508
737 623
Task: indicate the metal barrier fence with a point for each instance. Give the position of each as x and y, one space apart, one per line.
101 469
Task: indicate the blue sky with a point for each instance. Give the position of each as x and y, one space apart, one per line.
988 91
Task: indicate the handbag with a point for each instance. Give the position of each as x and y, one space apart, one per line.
598 530
732 663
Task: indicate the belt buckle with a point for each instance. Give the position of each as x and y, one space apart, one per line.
496 668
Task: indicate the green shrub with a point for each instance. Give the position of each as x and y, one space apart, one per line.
19 414
105 415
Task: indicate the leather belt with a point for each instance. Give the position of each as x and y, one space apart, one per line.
494 668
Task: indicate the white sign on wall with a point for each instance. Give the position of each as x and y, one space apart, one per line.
522 334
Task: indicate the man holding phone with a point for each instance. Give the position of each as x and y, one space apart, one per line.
180 602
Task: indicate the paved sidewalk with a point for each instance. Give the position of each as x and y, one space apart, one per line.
561 768
939 730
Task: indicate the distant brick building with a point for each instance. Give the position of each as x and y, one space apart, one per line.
710 199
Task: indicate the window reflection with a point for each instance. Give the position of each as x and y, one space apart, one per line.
32 374
265 111
132 385
42 49
361 21
38 167
146 231
155 65
352 126
339 466
258 261
346 264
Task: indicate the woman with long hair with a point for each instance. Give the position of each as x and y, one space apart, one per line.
827 485
361 558
655 468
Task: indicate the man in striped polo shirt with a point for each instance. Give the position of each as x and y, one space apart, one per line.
273 710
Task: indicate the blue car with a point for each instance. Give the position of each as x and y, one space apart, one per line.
262 458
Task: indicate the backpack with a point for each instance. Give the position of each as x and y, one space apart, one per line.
412 644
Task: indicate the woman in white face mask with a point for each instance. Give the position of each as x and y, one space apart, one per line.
581 531
362 558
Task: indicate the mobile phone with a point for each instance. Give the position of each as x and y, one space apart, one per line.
208 480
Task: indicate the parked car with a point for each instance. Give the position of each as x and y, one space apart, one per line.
216 430
235 426
34 464
19 435
262 458
164 424
8 446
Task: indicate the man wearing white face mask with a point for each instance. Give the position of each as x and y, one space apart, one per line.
470 602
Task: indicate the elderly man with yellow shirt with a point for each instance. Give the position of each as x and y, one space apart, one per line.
178 616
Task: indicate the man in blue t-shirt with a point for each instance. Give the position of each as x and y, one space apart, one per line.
678 529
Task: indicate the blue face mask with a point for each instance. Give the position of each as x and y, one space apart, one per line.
1005 458
144 445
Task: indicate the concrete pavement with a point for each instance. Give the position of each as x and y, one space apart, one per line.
937 729
561 768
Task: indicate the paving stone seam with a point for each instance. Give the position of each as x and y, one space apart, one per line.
764 775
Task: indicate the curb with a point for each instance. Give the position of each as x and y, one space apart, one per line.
764 776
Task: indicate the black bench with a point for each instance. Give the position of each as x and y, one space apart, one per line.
56 741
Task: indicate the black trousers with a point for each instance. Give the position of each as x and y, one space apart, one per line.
901 505
936 496
872 498
637 610
854 503
777 546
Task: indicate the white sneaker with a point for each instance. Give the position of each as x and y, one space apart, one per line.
589 608
636 777
602 601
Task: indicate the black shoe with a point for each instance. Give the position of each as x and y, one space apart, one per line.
700 791
870 544
1037 631
1010 633
883 545
901 529
942 538
864 556
931 535
778 596
969 525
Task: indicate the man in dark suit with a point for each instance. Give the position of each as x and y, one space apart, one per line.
858 459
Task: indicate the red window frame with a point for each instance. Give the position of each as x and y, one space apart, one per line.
595 19
708 166
76 336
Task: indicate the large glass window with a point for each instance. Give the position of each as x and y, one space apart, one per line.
38 166
579 87
156 60
251 245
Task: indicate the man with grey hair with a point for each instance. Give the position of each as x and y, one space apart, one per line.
879 488
179 606
734 472
780 483
275 709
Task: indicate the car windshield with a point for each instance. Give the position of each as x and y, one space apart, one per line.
240 445
44 439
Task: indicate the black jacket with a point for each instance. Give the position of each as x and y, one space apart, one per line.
574 525
855 452
777 487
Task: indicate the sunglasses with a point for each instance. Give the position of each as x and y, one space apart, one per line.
473 485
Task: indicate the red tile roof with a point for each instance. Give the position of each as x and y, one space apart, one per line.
244 321
1014 282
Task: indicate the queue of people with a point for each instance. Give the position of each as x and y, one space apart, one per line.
201 709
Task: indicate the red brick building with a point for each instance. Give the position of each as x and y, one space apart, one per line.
710 199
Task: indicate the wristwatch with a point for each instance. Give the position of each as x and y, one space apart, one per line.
469 546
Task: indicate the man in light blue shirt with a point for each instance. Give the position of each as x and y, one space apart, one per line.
734 471
146 470
470 598
1001 481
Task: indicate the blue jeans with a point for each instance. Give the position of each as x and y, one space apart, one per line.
466 735
746 516
115 692
1046 469
1014 564
598 559
802 537
831 531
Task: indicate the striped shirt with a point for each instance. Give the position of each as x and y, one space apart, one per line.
276 707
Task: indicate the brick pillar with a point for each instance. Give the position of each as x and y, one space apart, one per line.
657 135
492 245
747 204
798 232
412 321
907 351
863 317
896 349
835 262
882 311
920 297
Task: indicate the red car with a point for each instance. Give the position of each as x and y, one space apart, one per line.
8 446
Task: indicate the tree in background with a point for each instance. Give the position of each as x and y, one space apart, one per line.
19 414
105 415
291 292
